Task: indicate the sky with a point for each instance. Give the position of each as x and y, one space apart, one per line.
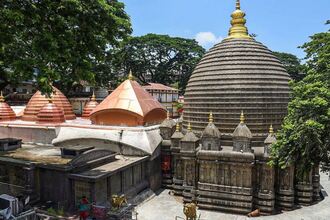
281 25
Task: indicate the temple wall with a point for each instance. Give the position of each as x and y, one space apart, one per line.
32 134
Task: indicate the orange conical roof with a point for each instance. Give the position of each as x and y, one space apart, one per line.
50 113
89 107
38 101
129 104
6 112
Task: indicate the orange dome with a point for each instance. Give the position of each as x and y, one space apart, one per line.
89 107
38 101
50 113
130 105
6 112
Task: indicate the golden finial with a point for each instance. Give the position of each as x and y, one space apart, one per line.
211 117
238 5
93 97
2 99
189 126
238 29
242 117
271 130
177 128
50 99
130 75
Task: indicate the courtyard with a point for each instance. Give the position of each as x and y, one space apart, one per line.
163 206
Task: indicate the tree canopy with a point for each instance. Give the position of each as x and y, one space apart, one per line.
58 41
292 65
305 135
159 58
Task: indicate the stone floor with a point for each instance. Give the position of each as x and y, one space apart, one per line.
166 207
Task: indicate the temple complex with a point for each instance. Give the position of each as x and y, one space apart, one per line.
113 149
235 99
216 155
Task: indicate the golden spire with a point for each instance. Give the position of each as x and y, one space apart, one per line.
2 99
238 5
50 99
130 75
271 130
177 128
211 117
189 126
93 97
238 29
242 117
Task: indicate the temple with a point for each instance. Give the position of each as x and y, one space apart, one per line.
49 154
235 99
216 155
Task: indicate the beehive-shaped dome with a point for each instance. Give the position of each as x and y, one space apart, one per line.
6 112
238 74
38 101
130 105
89 107
50 113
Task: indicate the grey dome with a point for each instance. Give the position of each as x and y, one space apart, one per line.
236 75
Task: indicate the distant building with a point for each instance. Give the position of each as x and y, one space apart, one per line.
166 95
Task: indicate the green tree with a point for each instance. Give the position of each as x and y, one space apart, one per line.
58 41
292 65
305 135
159 58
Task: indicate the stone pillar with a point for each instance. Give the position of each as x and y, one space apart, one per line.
166 131
189 144
316 183
304 189
266 191
29 181
285 188
177 164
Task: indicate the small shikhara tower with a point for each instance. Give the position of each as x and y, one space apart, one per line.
235 99
6 112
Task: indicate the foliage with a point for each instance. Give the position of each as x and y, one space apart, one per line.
63 41
159 58
291 64
305 135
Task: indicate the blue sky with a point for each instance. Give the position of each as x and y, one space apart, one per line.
282 25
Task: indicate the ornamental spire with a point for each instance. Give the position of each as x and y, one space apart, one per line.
211 117
242 117
238 5
189 127
177 127
238 29
2 99
93 97
130 75
271 130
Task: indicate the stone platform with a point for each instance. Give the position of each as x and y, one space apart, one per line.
167 207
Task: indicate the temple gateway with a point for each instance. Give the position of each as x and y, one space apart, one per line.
216 155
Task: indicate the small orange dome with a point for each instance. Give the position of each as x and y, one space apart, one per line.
38 101
6 112
50 113
89 107
129 105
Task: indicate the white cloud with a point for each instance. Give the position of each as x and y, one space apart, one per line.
207 39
